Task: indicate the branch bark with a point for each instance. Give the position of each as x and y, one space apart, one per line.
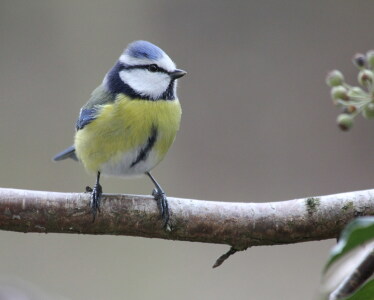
240 225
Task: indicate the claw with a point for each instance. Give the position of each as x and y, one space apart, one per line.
95 200
162 203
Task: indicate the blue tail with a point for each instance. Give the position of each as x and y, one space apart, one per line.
67 153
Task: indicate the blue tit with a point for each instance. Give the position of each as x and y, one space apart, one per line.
131 120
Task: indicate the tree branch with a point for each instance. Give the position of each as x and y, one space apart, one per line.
240 225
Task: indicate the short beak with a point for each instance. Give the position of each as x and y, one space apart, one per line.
177 74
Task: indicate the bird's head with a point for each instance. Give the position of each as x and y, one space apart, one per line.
144 71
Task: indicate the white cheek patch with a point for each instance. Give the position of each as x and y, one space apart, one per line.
146 83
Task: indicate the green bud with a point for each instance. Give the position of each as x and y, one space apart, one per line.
356 92
370 58
365 77
345 122
368 111
359 60
334 78
339 92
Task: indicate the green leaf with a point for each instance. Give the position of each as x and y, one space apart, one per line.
366 292
356 233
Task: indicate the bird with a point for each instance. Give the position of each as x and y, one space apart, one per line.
130 121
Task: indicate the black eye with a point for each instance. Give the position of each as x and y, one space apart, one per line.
153 68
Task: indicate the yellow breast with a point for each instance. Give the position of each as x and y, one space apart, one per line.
122 128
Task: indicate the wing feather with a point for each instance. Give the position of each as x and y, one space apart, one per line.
99 97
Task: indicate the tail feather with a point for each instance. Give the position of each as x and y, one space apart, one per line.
67 153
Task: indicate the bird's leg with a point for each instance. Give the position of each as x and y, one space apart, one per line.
162 203
97 191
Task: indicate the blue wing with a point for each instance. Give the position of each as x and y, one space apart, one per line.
86 116
88 113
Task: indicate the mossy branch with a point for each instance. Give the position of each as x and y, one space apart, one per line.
240 225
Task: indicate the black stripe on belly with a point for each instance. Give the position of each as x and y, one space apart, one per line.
144 151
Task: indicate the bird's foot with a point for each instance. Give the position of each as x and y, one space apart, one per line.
96 193
162 203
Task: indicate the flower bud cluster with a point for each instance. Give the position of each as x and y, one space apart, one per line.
354 100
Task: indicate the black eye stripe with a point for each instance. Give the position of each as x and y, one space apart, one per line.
145 67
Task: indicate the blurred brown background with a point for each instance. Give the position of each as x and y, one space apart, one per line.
258 125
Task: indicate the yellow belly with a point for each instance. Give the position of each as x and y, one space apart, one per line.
112 141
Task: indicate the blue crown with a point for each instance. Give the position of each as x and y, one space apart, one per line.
144 49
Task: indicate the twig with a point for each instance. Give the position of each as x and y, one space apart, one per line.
354 281
223 257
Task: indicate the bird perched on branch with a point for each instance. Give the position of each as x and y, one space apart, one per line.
130 121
